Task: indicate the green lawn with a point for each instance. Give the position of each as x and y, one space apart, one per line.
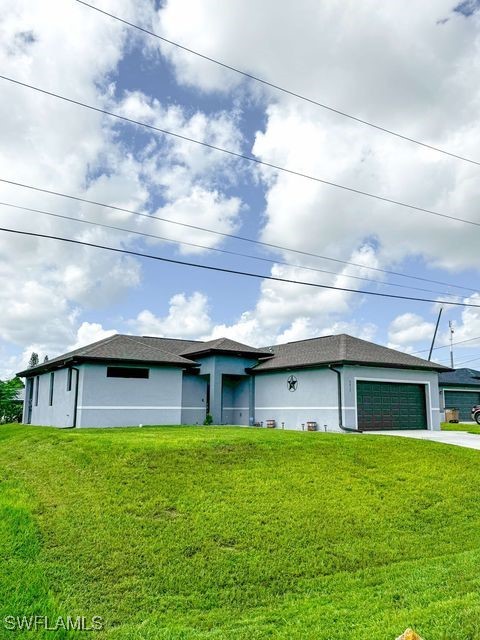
461 426
230 533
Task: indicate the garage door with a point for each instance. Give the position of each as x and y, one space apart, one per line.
391 405
463 401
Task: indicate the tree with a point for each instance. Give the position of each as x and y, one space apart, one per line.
34 360
10 405
45 359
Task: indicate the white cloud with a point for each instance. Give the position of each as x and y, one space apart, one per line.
191 179
468 326
409 328
89 332
188 317
287 311
45 284
53 145
372 63
360 67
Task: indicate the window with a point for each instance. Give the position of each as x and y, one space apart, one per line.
37 386
127 372
52 384
69 379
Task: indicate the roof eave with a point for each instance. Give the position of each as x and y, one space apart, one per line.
60 364
317 365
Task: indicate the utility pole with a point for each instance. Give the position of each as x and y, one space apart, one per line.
450 326
435 333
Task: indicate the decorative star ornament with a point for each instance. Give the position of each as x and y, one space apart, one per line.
292 383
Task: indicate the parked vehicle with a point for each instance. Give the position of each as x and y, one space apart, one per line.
476 413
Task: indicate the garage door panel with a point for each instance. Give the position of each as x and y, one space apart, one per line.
463 401
391 405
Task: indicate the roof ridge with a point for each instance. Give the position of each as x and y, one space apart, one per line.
139 339
281 344
176 339
94 345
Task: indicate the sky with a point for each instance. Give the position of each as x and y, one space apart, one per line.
409 67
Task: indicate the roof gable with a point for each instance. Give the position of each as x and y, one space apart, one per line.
340 349
224 345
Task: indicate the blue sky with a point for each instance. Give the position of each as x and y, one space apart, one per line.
404 68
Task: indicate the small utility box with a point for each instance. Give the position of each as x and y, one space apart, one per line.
311 426
452 415
271 424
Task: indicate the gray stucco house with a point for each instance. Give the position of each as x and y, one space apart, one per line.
460 389
333 382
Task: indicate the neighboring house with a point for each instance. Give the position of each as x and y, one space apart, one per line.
338 382
460 389
20 397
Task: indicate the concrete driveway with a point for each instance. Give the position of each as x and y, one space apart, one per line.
458 438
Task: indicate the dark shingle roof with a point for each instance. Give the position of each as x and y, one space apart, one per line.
340 349
118 347
172 345
462 377
223 345
182 353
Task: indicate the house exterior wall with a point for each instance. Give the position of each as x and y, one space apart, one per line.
173 396
117 402
351 374
236 407
194 399
60 413
314 400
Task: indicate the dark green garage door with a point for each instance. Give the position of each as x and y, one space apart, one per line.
391 405
463 401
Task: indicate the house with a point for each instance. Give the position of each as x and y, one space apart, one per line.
334 382
460 389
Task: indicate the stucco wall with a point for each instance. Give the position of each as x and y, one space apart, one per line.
170 396
236 400
194 399
314 400
351 374
60 413
117 402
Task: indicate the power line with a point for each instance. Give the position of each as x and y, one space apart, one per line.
247 274
229 235
224 251
467 361
278 87
242 156
444 346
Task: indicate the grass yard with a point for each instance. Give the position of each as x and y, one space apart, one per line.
233 533
471 427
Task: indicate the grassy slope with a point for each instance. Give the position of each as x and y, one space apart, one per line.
189 533
461 426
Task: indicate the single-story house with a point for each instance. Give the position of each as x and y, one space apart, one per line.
332 383
460 389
